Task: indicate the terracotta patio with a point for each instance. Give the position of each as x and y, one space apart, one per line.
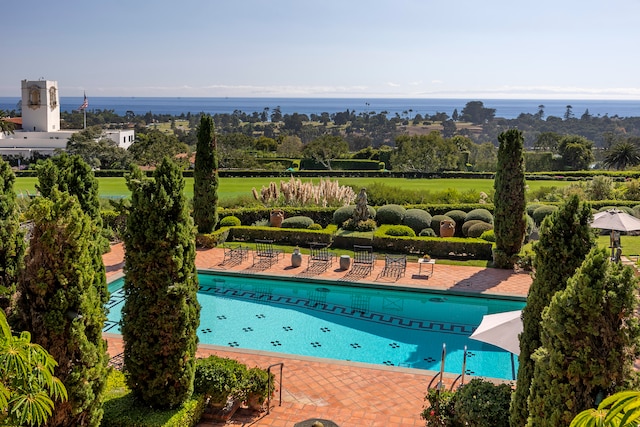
347 393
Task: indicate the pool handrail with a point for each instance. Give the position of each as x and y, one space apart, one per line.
269 391
440 374
464 368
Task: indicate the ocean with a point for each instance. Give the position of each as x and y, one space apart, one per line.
505 108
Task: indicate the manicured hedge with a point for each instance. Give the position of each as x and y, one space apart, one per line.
291 237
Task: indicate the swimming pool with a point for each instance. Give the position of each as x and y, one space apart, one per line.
362 324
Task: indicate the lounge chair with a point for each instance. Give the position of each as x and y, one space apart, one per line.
319 258
265 252
234 255
363 260
394 266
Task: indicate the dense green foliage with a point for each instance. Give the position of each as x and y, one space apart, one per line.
27 384
298 221
390 214
477 230
97 150
478 403
122 409
151 146
161 313
509 201
590 339
230 221
218 378
426 153
618 410
397 230
481 403
12 244
541 212
480 213
343 213
61 302
205 178
565 239
417 219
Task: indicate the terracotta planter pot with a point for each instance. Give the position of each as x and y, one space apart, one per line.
276 218
447 228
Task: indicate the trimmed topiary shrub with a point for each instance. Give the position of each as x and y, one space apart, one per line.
467 225
390 214
230 221
427 232
315 226
489 236
344 213
436 220
481 214
458 216
417 219
532 207
399 230
297 222
476 230
541 212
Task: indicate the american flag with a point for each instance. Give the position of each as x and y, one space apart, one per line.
85 104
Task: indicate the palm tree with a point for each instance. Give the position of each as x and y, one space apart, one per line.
6 126
27 385
622 155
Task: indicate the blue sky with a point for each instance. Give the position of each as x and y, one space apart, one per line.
542 49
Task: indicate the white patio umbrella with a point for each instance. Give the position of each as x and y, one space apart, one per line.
501 330
615 220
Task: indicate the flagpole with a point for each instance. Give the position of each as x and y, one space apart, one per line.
84 110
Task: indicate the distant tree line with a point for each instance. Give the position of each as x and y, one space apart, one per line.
408 141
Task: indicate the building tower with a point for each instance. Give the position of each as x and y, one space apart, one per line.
40 106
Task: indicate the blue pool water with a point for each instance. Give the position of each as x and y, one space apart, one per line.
371 325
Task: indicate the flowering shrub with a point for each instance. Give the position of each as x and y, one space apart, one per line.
439 411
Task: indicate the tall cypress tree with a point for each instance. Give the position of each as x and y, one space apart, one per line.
73 175
590 341
63 308
509 211
161 312
205 182
12 244
565 239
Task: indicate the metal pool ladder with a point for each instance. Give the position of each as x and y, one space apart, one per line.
440 375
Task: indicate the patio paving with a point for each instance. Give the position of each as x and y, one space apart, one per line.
348 393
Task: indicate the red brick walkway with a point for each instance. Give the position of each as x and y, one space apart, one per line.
350 394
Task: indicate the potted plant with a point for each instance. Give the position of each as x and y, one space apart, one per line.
257 384
217 378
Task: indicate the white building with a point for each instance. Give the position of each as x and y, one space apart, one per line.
41 124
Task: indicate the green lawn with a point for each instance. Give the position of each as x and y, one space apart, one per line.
231 188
